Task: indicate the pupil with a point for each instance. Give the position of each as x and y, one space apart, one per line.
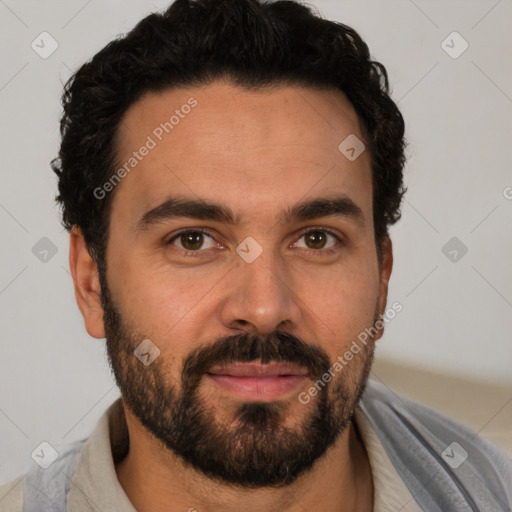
317 238
192 240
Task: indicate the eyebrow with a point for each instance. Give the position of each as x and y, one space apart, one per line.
177 206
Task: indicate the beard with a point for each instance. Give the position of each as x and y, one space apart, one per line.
254 448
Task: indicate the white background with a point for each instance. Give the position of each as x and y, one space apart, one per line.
456 318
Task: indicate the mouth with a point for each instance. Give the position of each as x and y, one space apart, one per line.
258 382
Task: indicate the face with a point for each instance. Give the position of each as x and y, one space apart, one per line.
241 248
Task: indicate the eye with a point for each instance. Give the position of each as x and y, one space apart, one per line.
319 239
192 240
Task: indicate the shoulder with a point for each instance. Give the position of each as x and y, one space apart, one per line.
11 495
437 457
42 485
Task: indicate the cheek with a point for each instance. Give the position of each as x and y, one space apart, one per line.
167 303
342 295
343 303
163 306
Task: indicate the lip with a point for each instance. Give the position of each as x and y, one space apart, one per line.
257 382
259 370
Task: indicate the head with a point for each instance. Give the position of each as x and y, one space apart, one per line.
215 211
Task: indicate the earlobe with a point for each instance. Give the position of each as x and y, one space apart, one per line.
86 283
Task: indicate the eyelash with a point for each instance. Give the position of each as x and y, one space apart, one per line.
199 252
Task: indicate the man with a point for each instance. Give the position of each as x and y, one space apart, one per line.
228 172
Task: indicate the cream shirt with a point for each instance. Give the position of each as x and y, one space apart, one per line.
95 487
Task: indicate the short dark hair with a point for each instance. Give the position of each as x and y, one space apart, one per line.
252 43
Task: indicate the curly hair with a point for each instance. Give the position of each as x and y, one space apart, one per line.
253 43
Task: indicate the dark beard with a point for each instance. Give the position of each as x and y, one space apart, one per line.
255 449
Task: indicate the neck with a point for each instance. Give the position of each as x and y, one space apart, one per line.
156 480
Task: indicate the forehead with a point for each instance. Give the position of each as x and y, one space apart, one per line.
253 150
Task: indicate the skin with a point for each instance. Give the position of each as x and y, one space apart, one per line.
258 153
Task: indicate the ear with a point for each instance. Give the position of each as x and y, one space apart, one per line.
385 268
87 284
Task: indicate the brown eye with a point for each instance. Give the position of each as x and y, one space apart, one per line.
318 239
315 239
191 240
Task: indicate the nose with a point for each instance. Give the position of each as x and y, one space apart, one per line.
260 297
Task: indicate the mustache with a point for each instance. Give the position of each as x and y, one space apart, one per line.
278 347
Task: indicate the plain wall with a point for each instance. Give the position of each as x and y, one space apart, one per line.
456 316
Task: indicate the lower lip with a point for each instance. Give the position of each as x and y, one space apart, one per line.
258 388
